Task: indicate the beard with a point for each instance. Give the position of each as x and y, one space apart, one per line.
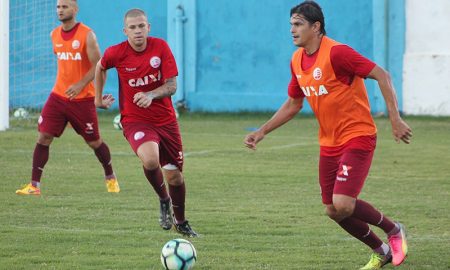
66 19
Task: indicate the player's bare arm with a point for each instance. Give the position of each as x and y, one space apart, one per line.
144 99
101 101
93 52
286 112
400 129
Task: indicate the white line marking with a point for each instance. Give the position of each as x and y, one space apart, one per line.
190 153
421 238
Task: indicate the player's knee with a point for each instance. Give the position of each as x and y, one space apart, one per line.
175 180
331 212
150 163
95 144
45 139
343 210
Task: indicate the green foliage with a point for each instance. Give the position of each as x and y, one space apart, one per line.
255 210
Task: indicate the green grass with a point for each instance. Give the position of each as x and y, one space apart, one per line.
255 210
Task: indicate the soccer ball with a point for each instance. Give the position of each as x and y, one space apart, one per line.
20 113
178 254
116 122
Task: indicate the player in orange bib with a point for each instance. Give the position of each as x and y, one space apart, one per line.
72 98
330 76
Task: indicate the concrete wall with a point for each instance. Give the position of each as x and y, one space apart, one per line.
236 54
427 58
32 62
239 51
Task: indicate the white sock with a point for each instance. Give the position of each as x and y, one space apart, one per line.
383 249
36 184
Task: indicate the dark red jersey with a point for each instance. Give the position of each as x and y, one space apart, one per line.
142 72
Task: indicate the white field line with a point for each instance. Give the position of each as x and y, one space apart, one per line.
295 136
68 153
287 146
243 148
186 154
418 238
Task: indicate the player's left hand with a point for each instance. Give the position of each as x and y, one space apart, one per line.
401 131
106 102
143 100
252 139
73 91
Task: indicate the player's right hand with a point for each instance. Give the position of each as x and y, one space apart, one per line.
143 99
401 131
106 102
253 138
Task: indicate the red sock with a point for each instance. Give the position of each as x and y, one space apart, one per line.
155 178
361 231
104 156
367 213
40 158
178 195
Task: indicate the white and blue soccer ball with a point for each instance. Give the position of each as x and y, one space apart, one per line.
178 254
20 113
116 122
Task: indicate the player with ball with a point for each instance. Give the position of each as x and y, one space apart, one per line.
147 74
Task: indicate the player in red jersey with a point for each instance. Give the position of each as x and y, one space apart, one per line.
330 76
147 74
72 97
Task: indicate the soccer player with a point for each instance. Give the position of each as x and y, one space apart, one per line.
147 74
72 97
330 76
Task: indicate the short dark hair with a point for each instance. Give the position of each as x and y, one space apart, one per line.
135 12
312 13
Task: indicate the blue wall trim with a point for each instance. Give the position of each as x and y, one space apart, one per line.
396 45
190 44
380 40
388 48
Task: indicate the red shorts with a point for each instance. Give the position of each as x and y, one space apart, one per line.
81 114
167 137
346 173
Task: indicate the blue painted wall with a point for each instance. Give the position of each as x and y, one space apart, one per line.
240 61
32 62
236 53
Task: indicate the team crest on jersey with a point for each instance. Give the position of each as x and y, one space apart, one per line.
155 62
75 44
317 74
139 135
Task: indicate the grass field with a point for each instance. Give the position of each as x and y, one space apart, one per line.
255 210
